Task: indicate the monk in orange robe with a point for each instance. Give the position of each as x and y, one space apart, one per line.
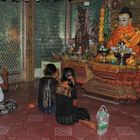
126 32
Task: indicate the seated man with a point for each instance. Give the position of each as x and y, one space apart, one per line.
126 32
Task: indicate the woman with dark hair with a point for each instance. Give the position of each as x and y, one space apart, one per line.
47 89
68 78
67 111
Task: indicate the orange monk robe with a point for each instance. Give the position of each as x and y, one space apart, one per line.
129 34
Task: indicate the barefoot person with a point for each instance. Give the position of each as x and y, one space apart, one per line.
47 89
67 110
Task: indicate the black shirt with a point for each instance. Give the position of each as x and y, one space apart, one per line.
64 103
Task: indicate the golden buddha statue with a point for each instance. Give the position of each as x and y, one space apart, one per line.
126 32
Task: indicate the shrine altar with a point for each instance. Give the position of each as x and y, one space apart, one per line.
120 82
82 72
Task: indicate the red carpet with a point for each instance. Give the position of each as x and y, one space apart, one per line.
28 123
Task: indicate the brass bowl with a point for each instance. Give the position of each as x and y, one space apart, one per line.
121 57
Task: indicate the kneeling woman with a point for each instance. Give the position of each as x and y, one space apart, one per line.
47 89
67 111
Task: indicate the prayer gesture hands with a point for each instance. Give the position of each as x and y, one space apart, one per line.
4 72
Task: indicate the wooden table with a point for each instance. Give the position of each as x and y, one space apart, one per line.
120 82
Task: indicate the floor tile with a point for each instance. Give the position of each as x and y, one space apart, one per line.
62 131
124 131
4 130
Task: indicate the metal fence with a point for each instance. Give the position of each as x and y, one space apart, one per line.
11 41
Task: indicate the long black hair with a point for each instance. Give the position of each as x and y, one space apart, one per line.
67 71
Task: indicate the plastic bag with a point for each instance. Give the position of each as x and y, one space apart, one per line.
102 119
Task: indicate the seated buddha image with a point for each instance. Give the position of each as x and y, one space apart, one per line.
126 32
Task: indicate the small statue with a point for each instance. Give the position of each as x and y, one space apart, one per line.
86 54
79 52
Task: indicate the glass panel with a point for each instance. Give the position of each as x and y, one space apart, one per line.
50 18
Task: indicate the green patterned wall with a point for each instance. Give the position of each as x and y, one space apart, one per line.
50 18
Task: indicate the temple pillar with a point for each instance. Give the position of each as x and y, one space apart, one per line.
29 46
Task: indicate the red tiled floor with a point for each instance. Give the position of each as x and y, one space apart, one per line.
28 123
